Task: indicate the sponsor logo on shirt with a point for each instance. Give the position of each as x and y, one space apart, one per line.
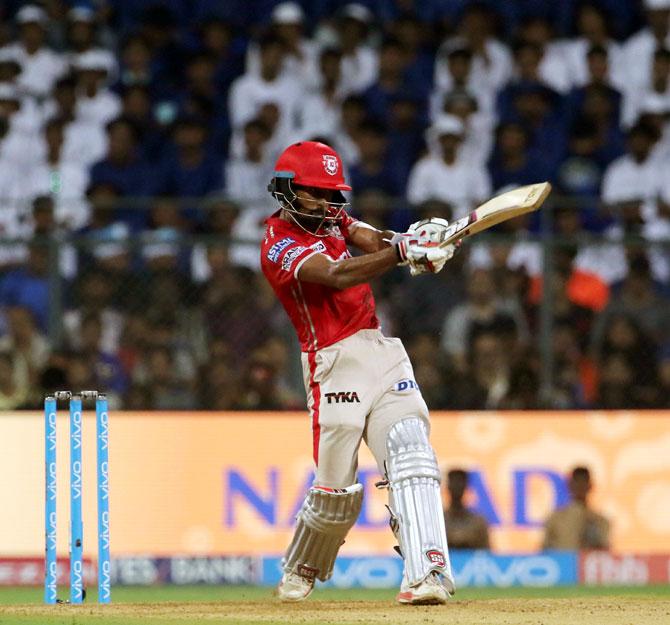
343 397
405 385
290 256
319 246
277 248
336 232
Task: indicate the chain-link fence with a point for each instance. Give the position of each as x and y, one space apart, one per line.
173 317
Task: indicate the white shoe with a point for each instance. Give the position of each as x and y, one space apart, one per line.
294 587
430 591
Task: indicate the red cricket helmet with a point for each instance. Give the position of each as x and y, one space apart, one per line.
312 164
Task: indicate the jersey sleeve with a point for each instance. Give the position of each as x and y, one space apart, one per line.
345 223
281 259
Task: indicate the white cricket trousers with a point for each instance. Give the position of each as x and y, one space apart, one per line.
357 389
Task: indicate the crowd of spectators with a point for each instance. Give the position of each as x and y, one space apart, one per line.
137 140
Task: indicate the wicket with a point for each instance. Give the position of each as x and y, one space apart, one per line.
77 593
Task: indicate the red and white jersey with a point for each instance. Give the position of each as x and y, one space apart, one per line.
320 314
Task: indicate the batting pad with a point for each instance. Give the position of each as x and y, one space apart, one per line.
327 514
416 502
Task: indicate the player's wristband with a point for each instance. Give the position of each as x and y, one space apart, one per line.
401 252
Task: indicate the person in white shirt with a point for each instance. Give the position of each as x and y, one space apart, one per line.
593 31
246 179
81 38
320 109
444 174
630 190
655 94
553 68
23 119
96 103
639 49
359 60
492 61
454 69
84 142
250 92
287 22
63 179
40 66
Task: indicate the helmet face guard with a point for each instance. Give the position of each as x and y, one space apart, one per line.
284 190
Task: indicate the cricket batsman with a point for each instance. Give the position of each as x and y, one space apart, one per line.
359 383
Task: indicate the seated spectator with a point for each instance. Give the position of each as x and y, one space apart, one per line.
218 39
40 65
548 56
640 297
465 529
640 48
485 382
409 30
576 525
491 62
125 169
25 342
628 367
96 103
630 188
513 163
14 382
137 64
444 174
83 142
539 110
81 38
287 22
359 60
405 132
137 107
164 390
106 368
453 72
191 171
19 138
593 30
27 286
321 105
483 310
352 115
376 170
654 95
250 92
63 179
478 132
598 79
220 217
524 387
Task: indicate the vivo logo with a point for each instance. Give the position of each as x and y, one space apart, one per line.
77 577
51 534
52 576
51 437
76 429
105 586
103 437
483 570
104 537
104 480
75 483
51 484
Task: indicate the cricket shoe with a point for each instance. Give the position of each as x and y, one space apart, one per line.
430 591
294 587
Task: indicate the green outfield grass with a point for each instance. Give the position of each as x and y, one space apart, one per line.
245 605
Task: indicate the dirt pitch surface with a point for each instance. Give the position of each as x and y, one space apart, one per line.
521 611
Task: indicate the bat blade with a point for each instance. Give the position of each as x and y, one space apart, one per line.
498 209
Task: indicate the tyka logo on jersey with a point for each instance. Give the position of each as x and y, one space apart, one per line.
342 397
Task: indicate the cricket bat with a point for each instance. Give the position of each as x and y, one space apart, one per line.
500 208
